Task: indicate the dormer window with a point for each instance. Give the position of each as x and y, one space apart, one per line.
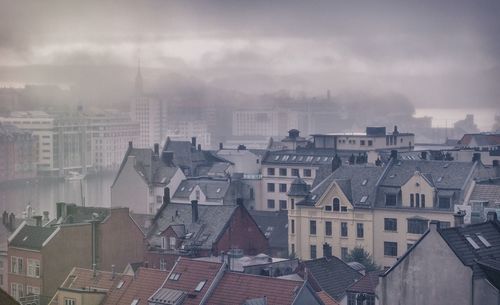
444 202
391 199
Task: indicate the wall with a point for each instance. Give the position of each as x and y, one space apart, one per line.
120 241
417 185
23 278
485 293
410 282
130 189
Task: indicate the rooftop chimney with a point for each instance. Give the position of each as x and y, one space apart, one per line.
94 270
12 222
130 144
242 147
193 141
45 215
5 218
496 167
194 210
476 157
459 218
327 250
157 149
394 154
38 220
434 225
336 163
113 272
199 147
221 146
396 132
166 195
491 216
423 155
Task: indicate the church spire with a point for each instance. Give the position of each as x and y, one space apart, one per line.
138 79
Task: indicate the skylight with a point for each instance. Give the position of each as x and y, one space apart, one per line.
309 158
294 157
300 158
175 276
440 179
285 157
483 240
325 159
364 182
135 302
182 189
277 158
363 199
120 284
200 285
218 190
472 242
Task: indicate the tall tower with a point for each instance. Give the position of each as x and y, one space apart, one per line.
138 80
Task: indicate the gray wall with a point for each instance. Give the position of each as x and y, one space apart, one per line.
130 189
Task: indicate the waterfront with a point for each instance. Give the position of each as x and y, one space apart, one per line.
43 193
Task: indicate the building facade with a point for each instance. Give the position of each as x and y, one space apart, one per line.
17 148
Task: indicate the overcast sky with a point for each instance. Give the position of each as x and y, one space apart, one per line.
435 52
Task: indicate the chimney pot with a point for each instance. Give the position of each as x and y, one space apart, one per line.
459 218
476 157
157 149
423 155
113 272
394 154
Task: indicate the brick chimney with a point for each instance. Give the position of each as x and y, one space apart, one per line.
157 149
496 167
491 216
166 196
194 210
193 141
167 157
459 218
38 220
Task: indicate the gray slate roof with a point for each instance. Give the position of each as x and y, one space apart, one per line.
32 237
274 224
212 222
213 188
350 179
332 275
444 174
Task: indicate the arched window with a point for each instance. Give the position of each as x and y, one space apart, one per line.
336 204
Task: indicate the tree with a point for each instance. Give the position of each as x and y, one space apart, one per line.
358 254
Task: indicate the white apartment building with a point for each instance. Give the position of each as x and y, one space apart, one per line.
185 130
269 123
149 112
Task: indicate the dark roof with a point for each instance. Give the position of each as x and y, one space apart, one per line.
367 284
444 174
31 237
6 299
298 188
332 275
206 231
213 188
456 239
150 167
238 288
351 179
274 224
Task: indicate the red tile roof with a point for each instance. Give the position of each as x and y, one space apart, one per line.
140 287
80 278
192 272
236 288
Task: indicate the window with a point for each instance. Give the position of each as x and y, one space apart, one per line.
292 203
295 172
370 143
16 290
417 226
343 208
328 208
282 187
270 187
390 199
313 251
472 242
307 173
390 248
33 267
360 232
197 193
328 228
270 171
363 199
362 142
417 200
282 171
68 301
282 204
292 249
422 200
172 242
16 265
120 284
343 229
312 227
336 204
270 204
174 276
344 252
292 226
390 224
200 285
444 202
412 200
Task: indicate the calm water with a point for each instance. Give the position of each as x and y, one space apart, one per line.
43 194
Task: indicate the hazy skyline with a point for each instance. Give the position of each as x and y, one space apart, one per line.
437 53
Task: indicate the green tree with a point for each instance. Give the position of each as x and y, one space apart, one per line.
358 254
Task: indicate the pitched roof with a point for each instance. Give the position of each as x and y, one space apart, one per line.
83 279
213 188
332 275
486 192
212 220
274 224
139 287
457 240
31 237
351 179
444 174
6 299
481 139
325 298
191 273
367 284
238 288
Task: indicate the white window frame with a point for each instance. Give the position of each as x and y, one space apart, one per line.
33 268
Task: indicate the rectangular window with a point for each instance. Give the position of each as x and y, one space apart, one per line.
270 187
412 200
292 204
295 172
282 171
307 173
390 248
417 226
343 208
422 200
33 267
417 200
336 205
390 224
292 226
270 171
292 249
68 301
16 265
270 204
312 227
313 251
444 202
328 228
344 252
362 142
343 229
328 208
390 199
282 204
282 187
360 232
370 143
